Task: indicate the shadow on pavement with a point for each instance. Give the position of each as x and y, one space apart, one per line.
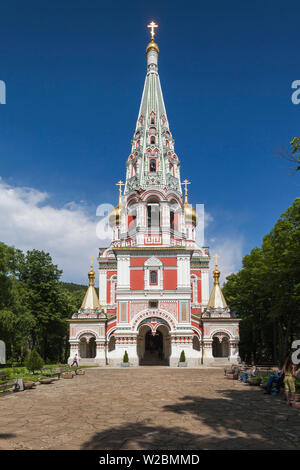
239 419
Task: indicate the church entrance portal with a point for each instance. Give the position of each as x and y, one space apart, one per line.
153 347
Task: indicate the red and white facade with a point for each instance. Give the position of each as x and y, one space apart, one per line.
153 278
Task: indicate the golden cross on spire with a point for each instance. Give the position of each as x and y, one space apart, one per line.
216 256
92 258
120 184
185 183
152 25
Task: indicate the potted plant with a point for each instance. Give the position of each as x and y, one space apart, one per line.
125 362
182 360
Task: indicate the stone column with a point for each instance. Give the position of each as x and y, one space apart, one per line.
234 351
207 351
100 352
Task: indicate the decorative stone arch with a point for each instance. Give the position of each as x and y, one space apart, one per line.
152 193
221 331
86 333
111 332
153 262
153 341
174 202
197 332
153 325
111 343
132 200
221 344
197 338
148 314
107 253
87 344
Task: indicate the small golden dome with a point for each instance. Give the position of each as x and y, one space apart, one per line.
190 213
216 275
91 275
115 215
152 45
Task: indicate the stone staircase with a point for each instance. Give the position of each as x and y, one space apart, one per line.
152 359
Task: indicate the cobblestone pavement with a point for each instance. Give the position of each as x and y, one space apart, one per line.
147 408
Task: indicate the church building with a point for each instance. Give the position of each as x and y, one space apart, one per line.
154 297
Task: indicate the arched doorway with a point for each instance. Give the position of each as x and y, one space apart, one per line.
153 347
87 347
220 346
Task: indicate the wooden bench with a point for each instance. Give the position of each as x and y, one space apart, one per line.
7 383
232 372
48 372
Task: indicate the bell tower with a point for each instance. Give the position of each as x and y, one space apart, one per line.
151 211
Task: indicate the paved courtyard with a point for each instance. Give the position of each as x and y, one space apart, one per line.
147 408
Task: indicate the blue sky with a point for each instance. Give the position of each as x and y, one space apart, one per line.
74 72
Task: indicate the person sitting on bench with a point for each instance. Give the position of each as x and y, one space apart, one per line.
247 374
276 379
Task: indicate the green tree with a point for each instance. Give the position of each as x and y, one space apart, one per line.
33 361
34 305
266 292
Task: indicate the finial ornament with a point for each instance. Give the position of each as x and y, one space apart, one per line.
216 256
185 183
91 273
120 184
216 272
152 26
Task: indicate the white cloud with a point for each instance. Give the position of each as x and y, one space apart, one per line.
67 233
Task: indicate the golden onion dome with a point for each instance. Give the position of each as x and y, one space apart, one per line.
91 275
115 215
152 45
190 213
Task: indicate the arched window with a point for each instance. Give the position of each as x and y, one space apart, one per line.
113 290
153 277
153 216
152 140
131 217
172 219
194 290
152 165
152 120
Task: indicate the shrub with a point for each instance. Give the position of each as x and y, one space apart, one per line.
33 361
182 357
125 357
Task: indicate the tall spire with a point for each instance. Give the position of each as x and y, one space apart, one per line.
152 162
91 301
216 299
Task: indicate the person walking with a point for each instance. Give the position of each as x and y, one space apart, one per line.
75 361
289 381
